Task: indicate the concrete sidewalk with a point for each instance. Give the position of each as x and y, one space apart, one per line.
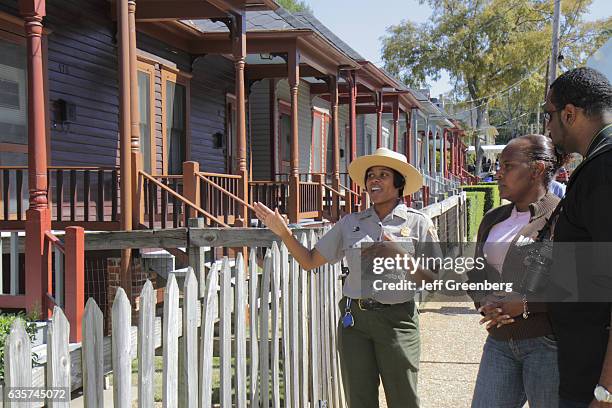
451 346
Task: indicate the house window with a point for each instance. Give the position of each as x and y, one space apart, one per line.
146 103
175 126
284 134
13 101
320 129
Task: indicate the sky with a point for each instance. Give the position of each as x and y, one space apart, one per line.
361 23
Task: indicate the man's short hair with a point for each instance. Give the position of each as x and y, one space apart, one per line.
585 88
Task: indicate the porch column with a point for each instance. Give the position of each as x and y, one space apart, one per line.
427 137
408 141
451 141
135 154
333 85
434 160
415 139
379 112
38 216
352 82
443 153
396 114
294 177
125 133
240 52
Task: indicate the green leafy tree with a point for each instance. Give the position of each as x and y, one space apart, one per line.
294 5
488 47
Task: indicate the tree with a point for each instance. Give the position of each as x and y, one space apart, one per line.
491 48
294 5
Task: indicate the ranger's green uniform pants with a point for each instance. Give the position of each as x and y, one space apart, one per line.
382 343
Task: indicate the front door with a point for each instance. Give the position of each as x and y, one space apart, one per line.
284 134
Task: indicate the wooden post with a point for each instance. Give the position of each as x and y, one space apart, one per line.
396 113
320 179
38 217
379 112
408 137
123 49
351 200
135 154
333 85
240 52
191 186
197 257
75 280
294 180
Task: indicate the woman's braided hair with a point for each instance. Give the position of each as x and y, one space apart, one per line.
541 148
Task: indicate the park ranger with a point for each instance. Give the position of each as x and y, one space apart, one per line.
379 329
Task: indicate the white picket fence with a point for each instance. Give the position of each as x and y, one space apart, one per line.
276 340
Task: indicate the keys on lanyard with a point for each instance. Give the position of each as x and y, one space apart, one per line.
347 319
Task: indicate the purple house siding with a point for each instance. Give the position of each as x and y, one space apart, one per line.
83 70
213 78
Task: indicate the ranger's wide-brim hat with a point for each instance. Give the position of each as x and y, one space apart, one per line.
387 158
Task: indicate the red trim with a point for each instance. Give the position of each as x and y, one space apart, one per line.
13 302
75 280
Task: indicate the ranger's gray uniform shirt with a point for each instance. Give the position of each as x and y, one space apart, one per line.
405 224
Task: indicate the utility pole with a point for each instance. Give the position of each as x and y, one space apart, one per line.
552 72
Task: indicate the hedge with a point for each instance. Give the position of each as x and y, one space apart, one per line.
491 191
475 212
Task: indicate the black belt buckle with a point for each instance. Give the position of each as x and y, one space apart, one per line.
371 304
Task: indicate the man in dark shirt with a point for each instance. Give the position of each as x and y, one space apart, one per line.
578 110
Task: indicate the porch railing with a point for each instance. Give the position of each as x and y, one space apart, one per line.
83 196
274 194
219 194
163 206
311 199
